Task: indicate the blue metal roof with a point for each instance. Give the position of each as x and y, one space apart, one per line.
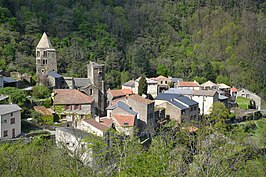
8 80
124 106
175 99
54 74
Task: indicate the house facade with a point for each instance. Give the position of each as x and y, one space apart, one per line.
205 98
145 108
177 107
72 104
10 125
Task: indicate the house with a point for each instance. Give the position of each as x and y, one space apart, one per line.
10 125
233 93
55 80
129 85
225 88
152 88
205 98
125 123
121 108
188 85
73 141
248 94
209 85
145 108
72 104
175 80
163 83
116 95
95 126
177 107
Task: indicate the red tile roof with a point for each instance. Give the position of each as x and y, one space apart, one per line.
141 99
188 84
125 121
119 93
71 96
43 110
234 89
96 124
159 78
106 121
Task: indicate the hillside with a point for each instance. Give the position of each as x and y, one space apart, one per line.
222 41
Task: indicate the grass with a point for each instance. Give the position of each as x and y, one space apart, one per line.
243 102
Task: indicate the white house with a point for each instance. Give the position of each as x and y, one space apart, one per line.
73 140
152 87
10 125
95 127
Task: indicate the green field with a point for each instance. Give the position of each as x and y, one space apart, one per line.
243 102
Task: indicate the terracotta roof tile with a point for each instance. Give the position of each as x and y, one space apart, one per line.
43 110
125 121
234 89
96 124
188 84
141 99
106 121
71 96
119 93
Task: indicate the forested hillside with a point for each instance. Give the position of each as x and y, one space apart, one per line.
218 40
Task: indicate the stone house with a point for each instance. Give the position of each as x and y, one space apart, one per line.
115 95
163 83
152 87
95 126
209 85
10 121
205 98
248 94
145 108
125 123
72 104
73 140
188 85
177 107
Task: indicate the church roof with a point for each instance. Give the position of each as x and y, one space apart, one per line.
44 43
82 82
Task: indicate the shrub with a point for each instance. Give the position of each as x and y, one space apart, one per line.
49 120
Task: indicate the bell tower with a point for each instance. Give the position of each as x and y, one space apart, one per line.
95 73
45 57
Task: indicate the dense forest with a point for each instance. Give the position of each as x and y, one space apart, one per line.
217 40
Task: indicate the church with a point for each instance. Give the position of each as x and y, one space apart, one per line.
46 71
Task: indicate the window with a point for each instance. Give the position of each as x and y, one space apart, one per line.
68 107
4 121
191 117
191 108
161 82
11 114
165 82
38 61
91 91
76 107
43 62
45 53
5 133
38 53
13 120
42 70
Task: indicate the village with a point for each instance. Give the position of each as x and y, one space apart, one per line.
83 106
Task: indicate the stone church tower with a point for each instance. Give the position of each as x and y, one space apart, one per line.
95 73
45 58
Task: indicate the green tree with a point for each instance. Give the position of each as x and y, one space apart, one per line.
143 86
41 91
